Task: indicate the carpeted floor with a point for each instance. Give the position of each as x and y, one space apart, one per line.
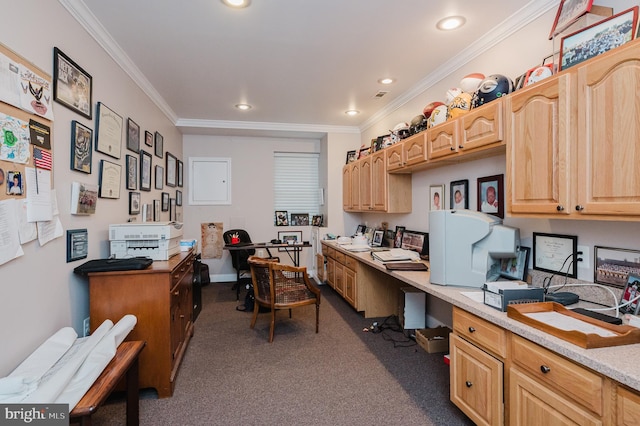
342 376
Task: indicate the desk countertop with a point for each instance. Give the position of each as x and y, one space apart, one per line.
620 363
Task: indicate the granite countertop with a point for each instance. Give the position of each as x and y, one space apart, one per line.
620 363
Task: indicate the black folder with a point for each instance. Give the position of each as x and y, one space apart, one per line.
106 265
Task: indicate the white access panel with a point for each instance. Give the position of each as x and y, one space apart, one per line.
209 181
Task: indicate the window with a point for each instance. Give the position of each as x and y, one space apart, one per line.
295 182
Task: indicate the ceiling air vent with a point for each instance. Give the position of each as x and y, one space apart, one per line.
380 94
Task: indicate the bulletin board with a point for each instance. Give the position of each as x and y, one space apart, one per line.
26 122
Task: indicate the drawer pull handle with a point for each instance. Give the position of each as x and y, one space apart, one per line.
468 384
560 208
579 208
544 369
176 293
472 330
452 148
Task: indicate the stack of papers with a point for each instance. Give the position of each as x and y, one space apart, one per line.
395 255
356 247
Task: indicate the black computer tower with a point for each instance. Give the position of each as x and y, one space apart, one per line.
200 279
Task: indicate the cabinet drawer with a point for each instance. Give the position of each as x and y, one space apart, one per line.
487 335
340 257
180 271
350 262
325 250
331 252
572 380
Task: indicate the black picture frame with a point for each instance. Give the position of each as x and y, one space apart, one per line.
281 218
351 156
416 241
173 212
178 197
317 220
461 186
551 252
158 148
134 203
299 219
148 138
397 242
515 268
360 229
132 172
631 291
180 173
612 266
491 195
72 85
159 177
81 147
165 201
77 244
289 237
108 131
156 210
133 136
109 179
171 168
378 237
145 170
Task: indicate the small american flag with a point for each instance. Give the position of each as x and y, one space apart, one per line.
42 158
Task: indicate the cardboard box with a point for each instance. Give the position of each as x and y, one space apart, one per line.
434 340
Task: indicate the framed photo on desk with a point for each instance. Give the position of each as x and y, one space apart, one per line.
289 237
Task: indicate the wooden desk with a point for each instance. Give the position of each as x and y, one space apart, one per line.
293 250
124 364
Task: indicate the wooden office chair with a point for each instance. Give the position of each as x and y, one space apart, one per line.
279 286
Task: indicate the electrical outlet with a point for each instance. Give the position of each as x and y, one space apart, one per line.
585 256
85 327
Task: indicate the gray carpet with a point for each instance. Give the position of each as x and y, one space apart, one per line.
342 376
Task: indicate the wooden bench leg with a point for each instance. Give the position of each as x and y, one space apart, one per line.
133 402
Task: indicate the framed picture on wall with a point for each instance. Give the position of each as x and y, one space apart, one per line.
132 172
159 177
134 203
81 147
436 197
171 164
148 138
145 171
72 86
491 195
133 136
459 197
165 202
159 145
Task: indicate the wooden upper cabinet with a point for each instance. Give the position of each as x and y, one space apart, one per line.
355 185
365 189
539 137
482 127
346 188
609 134
394 157
442 140
379 182
415 149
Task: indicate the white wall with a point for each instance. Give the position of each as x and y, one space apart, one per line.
39 291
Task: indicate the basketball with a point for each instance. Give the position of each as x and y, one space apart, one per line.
470 82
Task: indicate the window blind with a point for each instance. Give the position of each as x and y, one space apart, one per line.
296 182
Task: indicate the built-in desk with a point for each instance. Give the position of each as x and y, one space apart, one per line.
620 363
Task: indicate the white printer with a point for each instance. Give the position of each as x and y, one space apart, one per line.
156 240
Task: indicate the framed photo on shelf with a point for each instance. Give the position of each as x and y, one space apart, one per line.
159 177
436 197
171 164
148 138
397 242
630 295
282 218
289 237
597 38
317 220
459 194
77 244
568 12
109 179
515 268
491 195
165 202
132 172
81 147
299 219
109 130
133 136
555 253
612 266
72 86
159 145
145 171
351 156
378 236
134 203
416 241
360 229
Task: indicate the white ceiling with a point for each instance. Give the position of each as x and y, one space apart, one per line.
300 63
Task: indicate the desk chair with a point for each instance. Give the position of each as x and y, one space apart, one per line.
279 286
239 257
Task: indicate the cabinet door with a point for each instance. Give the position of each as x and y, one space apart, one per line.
394 157
539 137
476 383
609 134
350 286
331 272
532 403
365 189
442 140
415 149
346 188
339 278
482 127
628 408
355 186
379 182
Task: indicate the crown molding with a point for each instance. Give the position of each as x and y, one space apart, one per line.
264 126
515 22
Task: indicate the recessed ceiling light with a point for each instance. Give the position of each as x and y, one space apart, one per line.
237 4
352 112
451 23
386 80
243 107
